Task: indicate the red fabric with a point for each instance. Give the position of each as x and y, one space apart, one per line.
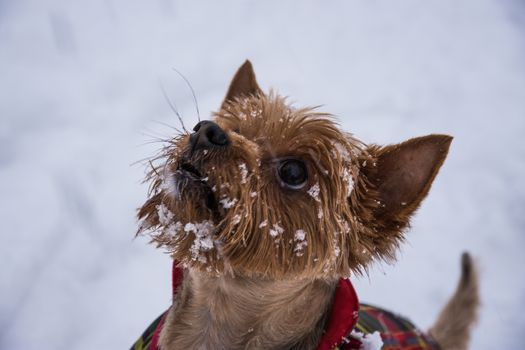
343 316
176 277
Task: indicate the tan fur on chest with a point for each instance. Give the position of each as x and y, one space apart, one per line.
239 313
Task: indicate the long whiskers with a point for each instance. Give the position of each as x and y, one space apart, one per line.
192 92
168 125
172 106
155 135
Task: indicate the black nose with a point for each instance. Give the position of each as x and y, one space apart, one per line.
207 135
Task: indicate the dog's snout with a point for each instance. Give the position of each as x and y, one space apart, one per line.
208 134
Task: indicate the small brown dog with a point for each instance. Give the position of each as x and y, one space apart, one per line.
267 210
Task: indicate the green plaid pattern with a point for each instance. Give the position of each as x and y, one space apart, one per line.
144 342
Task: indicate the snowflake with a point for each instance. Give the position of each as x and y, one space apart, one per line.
300 242
203 238
314 192
164 214
228 203
370 341
244 172
276 230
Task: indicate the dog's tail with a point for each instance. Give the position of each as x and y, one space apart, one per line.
452 328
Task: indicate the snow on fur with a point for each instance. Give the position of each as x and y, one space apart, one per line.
203 238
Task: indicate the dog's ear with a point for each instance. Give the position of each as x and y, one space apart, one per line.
401 176
243 83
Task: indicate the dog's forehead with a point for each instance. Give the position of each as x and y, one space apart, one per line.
279 128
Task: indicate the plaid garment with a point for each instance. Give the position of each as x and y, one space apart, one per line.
397 332
146 341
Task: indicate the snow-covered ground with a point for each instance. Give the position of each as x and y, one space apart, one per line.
80 99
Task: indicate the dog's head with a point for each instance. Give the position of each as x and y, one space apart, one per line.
270 190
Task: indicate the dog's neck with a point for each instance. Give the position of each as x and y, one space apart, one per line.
228 312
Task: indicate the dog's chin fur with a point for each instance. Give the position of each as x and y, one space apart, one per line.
251 244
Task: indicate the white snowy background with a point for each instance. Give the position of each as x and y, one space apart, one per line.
80 99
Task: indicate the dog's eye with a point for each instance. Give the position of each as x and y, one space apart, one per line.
293 173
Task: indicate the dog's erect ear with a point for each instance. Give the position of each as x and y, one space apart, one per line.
243 83
402 176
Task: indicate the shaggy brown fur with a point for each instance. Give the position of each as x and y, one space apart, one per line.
257 251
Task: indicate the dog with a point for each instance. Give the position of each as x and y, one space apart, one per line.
267 210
